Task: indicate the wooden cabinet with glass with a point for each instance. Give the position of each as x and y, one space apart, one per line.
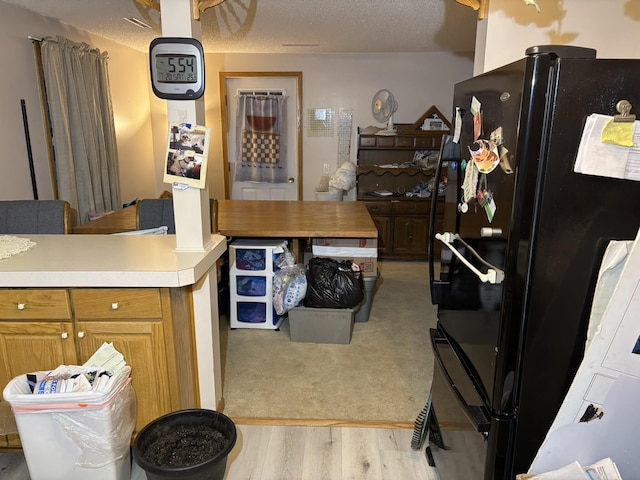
395 172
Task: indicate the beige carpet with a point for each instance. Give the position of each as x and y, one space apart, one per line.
383 375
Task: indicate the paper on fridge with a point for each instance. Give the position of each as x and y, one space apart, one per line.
602 159
613 262
603 470
599 415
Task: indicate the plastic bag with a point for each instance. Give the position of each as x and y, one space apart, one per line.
333 284
289 288
289 283
344 178
323 186
103 435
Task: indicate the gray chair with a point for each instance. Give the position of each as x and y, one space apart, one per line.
158 212
35 217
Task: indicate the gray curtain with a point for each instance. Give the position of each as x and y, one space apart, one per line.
261 133
83 130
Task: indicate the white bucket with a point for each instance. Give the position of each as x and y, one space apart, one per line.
335 195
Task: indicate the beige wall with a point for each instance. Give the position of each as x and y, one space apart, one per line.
611 27
130 92
329 81
349 81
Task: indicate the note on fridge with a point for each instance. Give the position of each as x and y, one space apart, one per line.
603 159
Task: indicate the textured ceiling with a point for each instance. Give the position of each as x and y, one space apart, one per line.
286 26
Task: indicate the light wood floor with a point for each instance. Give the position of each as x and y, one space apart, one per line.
266 452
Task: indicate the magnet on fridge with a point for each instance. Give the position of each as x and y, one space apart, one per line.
505 164
476 111
485 155
489 206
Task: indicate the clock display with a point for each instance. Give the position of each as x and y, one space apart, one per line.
176 68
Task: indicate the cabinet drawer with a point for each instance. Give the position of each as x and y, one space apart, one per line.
411 208
427 142
379 208
382 141
404 141
34 304
116 303
367 141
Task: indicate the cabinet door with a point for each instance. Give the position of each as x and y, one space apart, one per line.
411 236
134 320
30 346
143 346
33 346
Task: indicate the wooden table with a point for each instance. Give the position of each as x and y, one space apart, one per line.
294 219
297 220
123 220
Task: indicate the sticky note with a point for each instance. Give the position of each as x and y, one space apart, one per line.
618 133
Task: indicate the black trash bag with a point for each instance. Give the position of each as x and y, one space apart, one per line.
333 284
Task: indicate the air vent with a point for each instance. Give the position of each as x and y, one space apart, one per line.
137 22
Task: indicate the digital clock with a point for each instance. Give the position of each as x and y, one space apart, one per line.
177 68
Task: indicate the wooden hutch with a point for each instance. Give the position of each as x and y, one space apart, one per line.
393 171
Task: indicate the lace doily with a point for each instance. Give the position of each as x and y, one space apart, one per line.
10 245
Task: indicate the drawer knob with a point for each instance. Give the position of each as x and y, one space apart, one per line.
80 334
115 306
64 335
21 306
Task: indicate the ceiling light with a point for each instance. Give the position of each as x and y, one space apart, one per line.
137 22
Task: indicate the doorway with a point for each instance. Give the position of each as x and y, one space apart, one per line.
289 84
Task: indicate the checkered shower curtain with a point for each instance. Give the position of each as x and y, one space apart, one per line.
261 126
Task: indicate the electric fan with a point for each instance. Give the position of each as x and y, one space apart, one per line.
383 106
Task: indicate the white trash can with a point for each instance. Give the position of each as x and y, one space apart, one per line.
75 436
331 195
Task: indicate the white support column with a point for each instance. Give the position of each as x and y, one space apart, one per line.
190 205
193 222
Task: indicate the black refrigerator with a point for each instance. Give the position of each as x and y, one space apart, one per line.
519 261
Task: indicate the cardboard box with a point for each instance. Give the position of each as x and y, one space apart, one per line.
321 325
346 242
361 251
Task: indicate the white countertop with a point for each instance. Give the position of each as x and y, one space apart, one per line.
108 261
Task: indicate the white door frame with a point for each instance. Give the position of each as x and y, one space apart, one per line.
224 95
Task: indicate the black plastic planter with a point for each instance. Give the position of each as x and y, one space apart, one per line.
186 445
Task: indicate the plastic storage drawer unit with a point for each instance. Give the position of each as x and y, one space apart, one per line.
252 266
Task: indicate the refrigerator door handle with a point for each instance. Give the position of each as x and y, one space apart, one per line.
494 274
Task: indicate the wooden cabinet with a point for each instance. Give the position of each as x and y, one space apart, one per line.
41 329
394 174
403 227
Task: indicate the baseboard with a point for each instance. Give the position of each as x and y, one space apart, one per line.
301 422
